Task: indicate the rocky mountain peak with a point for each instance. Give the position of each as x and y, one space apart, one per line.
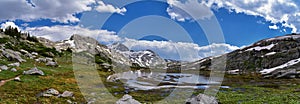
119 47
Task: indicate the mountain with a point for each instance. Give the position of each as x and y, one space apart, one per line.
276 57
91 47
144 58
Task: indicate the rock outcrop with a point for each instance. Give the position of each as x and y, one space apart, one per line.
48 93
51 63
17 64
3 67
12 55
34 71
127 99
66 94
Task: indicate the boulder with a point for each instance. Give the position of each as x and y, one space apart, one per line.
12 55
71 102
34 53
106 66
34 71
66 94
127 99
24 51
202 99
30 56
44 60
3 67
51 63
49 93
17 79
17 64
13 70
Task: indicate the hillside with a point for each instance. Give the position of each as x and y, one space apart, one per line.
273 58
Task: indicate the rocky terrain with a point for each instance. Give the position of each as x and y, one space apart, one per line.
144 58
272 58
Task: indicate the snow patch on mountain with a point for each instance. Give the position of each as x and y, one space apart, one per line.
259 48
144 58
290 63
271 53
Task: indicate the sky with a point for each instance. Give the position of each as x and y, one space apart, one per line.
175 29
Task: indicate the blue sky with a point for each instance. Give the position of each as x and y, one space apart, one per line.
242 22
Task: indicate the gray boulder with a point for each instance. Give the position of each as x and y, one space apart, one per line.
66 94
34 71
24 51
202 99
34 53
30 56
17 64
49 93
106 65
3 67
44 60
127 99
51 63
13 70
12 55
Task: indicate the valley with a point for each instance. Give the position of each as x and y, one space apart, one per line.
80 70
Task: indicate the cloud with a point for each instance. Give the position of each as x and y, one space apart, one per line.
11 24
285 12
56 10
216 49
63 11
274 27
180 50
107 8
194 10
57 33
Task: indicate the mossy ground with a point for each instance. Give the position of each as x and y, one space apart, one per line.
244 89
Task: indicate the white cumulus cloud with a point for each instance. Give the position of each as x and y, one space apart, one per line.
57 33
274 27
56 10
188 10
11 24
63 11
286 12
102 7
180 50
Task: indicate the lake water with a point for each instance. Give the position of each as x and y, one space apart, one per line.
147 80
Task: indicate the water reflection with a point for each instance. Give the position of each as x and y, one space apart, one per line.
149 80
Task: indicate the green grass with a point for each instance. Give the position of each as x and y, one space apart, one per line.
60 78
260 95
